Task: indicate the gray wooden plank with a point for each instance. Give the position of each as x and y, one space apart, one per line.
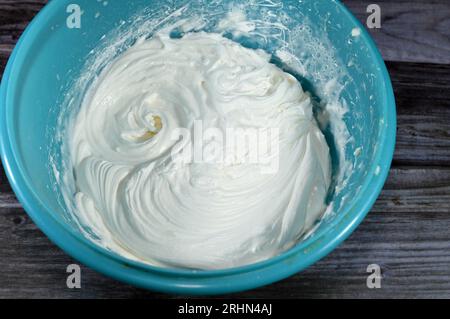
412 30
406 234
419 190
14 17
423 111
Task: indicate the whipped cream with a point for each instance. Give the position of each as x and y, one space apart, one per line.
143 203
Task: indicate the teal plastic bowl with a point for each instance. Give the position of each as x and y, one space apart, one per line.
49 54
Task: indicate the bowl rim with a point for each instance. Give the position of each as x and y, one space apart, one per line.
180 281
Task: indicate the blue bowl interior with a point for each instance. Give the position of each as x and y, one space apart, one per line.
51 56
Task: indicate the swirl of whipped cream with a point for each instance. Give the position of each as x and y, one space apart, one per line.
144 204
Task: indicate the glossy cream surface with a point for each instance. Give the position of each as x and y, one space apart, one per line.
145 198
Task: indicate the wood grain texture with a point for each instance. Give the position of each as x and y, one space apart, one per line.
411 30
14 17
406 233
423 110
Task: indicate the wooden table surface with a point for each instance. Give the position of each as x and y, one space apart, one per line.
407 232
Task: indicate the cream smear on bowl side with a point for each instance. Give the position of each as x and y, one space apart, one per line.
262 243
